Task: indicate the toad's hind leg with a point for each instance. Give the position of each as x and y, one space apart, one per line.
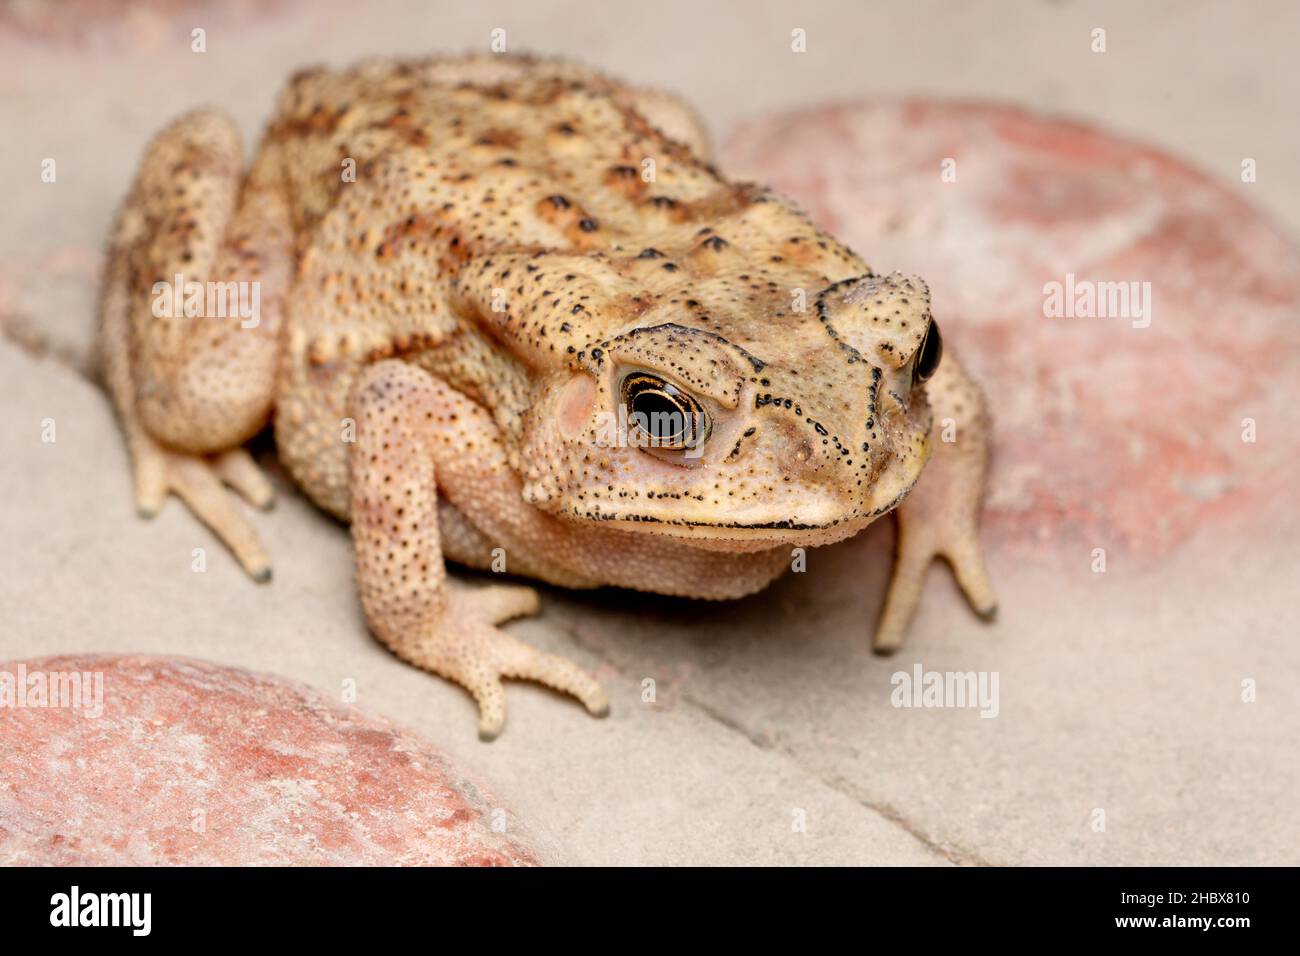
412 431
191 388
940 517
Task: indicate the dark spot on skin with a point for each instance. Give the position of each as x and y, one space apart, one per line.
716 243
650 254
588 225
559 202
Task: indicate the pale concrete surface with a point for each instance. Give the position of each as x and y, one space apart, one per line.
1119 692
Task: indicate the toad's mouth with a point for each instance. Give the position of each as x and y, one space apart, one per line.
728 535
731 537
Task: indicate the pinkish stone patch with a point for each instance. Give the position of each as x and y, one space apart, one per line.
186 762
1107 434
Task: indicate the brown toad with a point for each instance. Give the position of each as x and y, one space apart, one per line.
506 314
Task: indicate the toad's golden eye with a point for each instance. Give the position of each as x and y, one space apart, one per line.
661 414
928 355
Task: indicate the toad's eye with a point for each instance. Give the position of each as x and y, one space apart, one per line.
928 355
661 414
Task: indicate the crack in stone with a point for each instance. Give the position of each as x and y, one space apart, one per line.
955 855
845 787
958 856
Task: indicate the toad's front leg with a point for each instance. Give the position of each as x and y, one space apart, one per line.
940 517
415 434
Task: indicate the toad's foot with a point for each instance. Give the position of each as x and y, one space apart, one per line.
940 518
198 481
466 646
919 543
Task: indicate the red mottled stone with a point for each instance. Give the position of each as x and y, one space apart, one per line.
1105 434
199 764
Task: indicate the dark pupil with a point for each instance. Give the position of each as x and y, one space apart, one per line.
927 363
665 418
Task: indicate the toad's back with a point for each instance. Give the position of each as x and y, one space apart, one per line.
472 142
